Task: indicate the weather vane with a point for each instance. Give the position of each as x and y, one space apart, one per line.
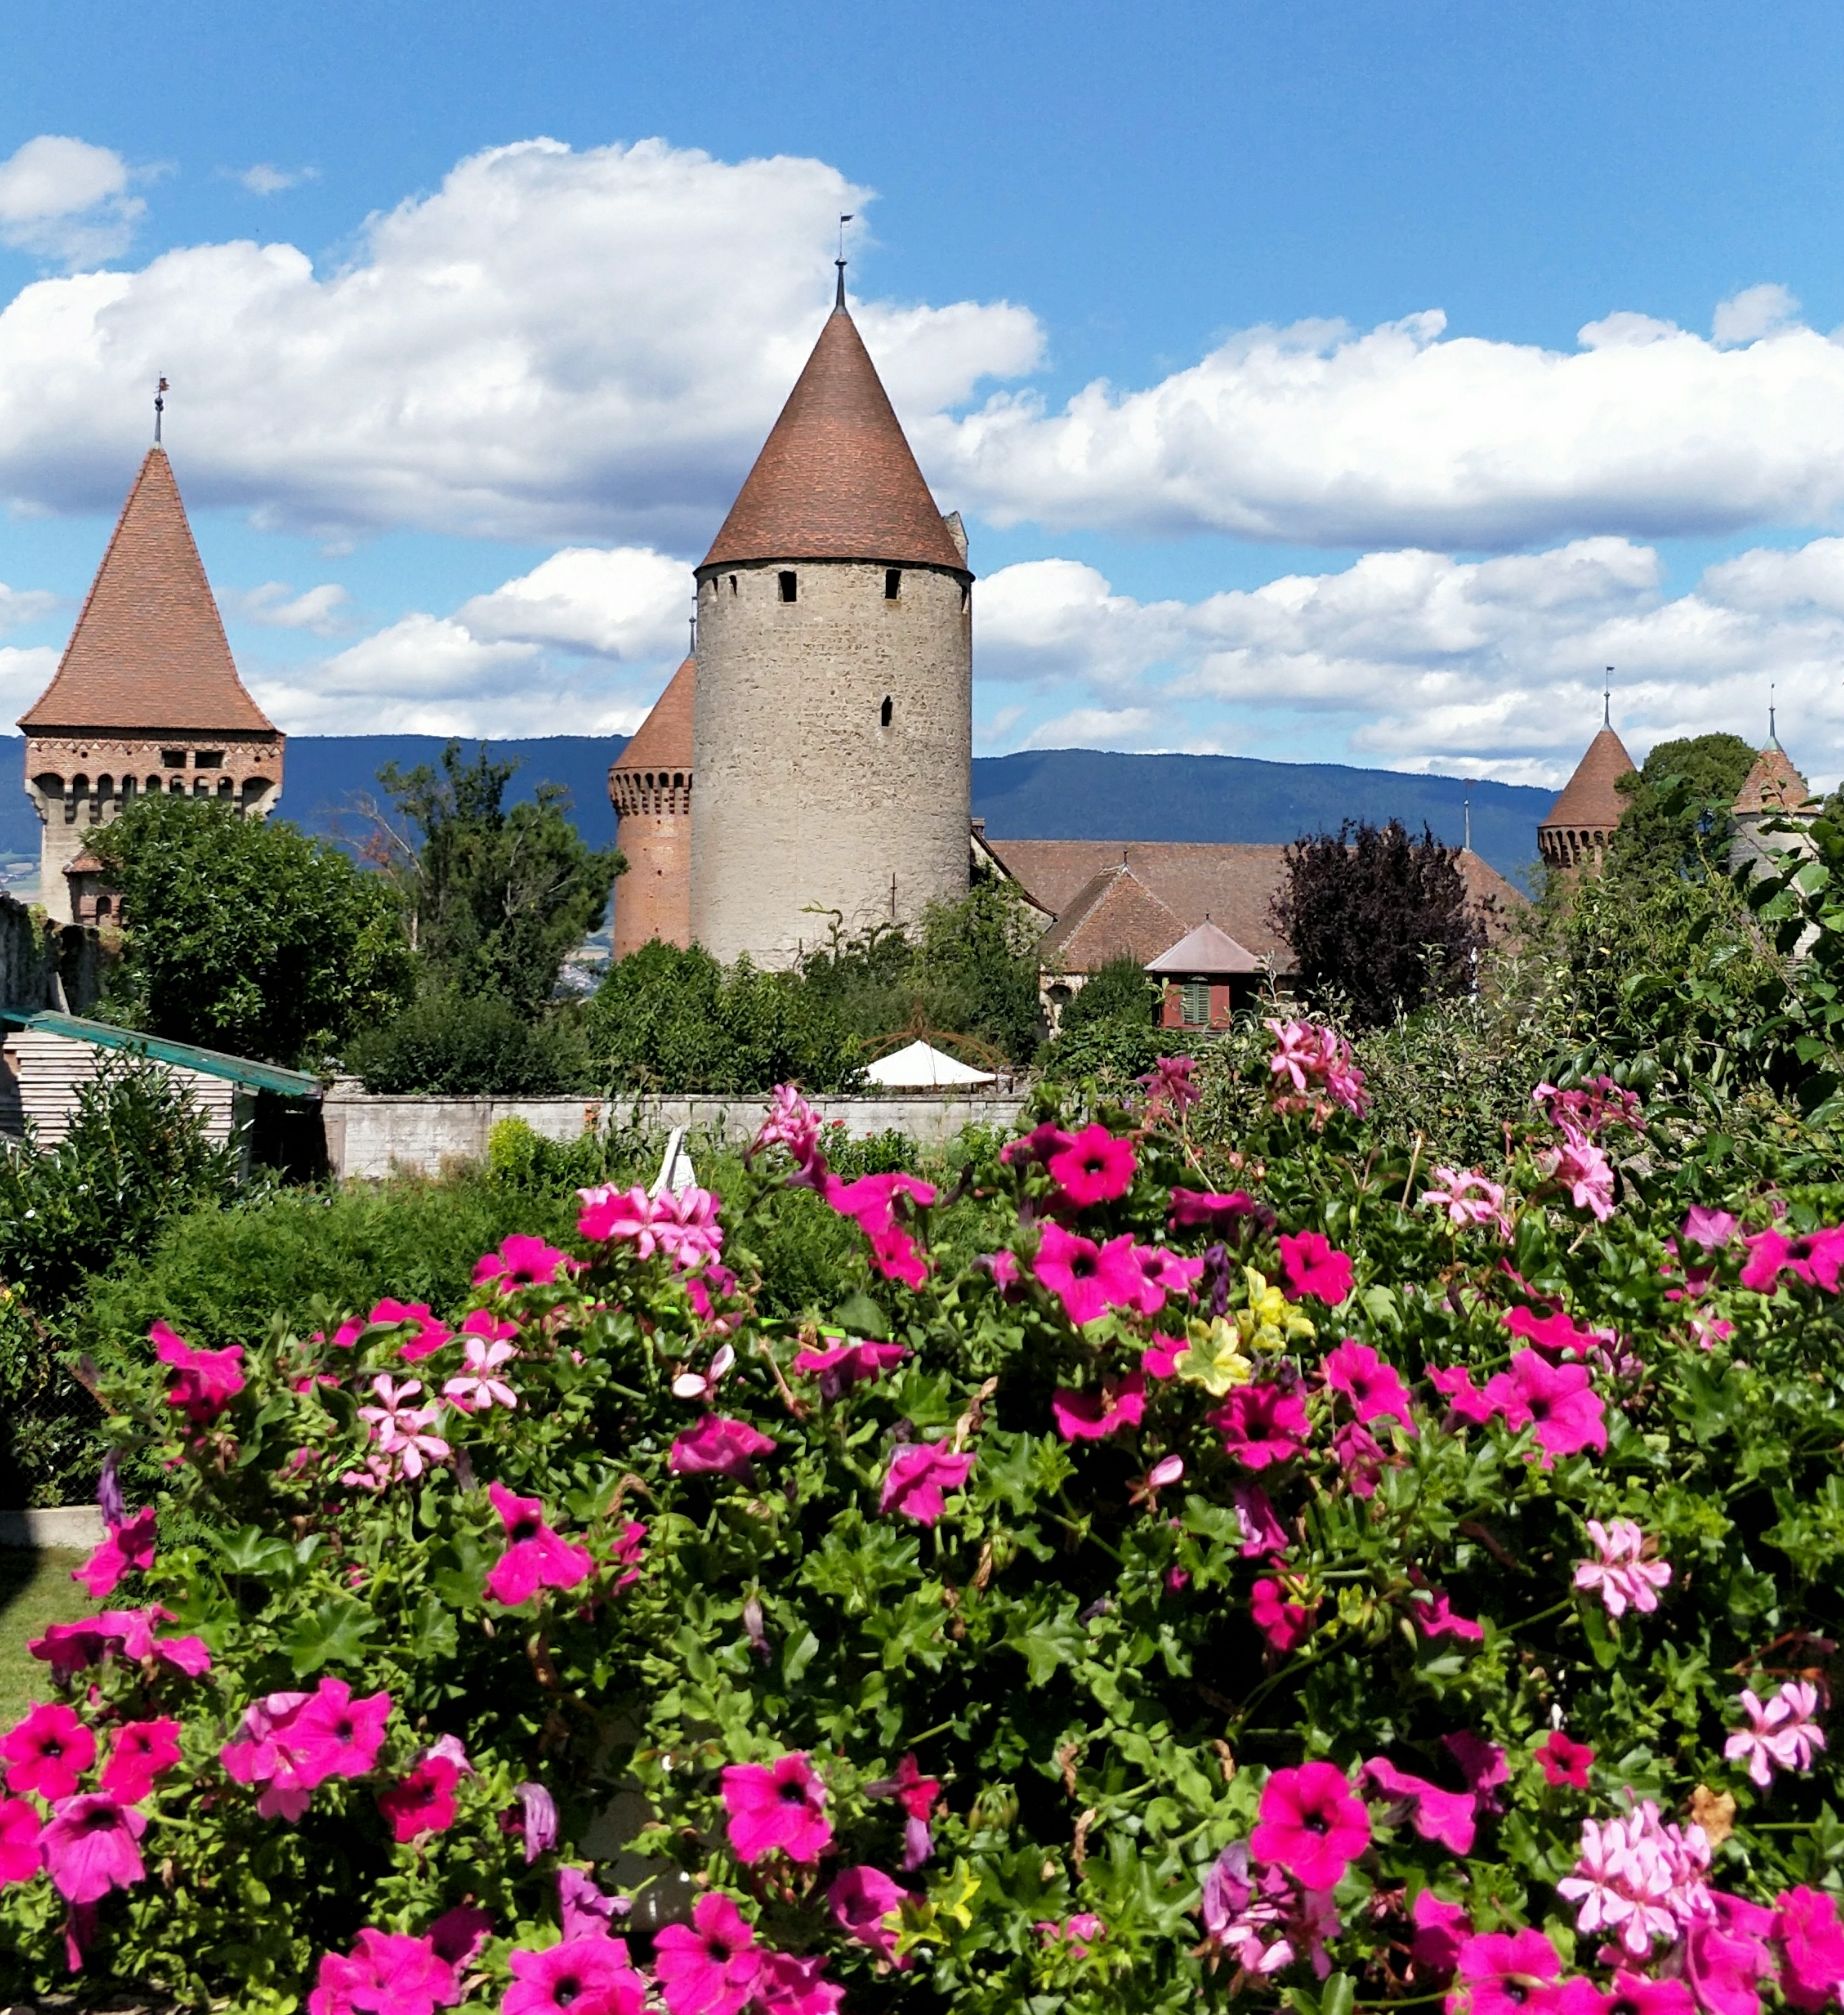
1773 732
159 408
1607 699
845 217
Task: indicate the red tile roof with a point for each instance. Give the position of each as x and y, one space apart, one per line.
1113 915
663 741
1773 785
1589 799
836 479
149 650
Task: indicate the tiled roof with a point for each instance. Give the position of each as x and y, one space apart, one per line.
149 650
1205 949
836 479
1589 799
1773 785
1231 885
1114 913
663 741
86 863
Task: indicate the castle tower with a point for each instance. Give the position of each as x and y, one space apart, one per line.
1581 822
1773 794
650 786
833 727
146 698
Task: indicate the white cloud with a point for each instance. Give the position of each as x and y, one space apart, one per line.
67 200
19 606
626 603
265 179
554 344
1091 727
276 606
1753 313
24 674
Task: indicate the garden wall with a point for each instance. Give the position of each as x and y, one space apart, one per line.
369 1135
47 966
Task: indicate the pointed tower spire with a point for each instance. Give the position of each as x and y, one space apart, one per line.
1582 820
1607 699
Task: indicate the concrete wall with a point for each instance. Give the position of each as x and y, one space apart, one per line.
369 1136
47 968
806 801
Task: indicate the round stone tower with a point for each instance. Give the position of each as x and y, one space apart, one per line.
1580 827
650 786
833 724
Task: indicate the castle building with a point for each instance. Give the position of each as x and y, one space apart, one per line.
1580 827
832 723
650 786
145 699
1771 812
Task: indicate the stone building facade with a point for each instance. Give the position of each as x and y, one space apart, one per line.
146 700
650 786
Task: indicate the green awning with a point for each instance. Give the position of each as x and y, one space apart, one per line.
211 1062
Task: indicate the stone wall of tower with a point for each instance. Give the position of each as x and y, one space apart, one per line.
1574 849
79 781
809 801
653 898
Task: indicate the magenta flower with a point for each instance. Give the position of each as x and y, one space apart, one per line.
1434 1616
20 1859
47 1751
1261 1531
1262 1423
1164 1274
1093 1416
427 1335
1261 1919
790 1985
1169 1086
423 1802
583 1910
265 1752
1564 1761
1095 1167
791 1123
583 1976
779 1805
1038 1145
1557 1334
1811 1942
1312 1265
1726 1955
522 1261
623 1216
1375 1389
1711 1229
1088 1279
478 1387
535 1556
897 1256
1558 1401
1309 1824
1464 1399
1446 1816
864 1903
1498 1972
1624 1571
140 1752
1284 1623
68 1648
128 1549
1579 1167
338 1736
920 1473
1814 1259
89 1847
204 1382
707 1967
1439 1929
840 1366
1215 1210
871 1201
719 1446
917 1795
387 1971
1468 1197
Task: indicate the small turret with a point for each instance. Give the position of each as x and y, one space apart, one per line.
1580 826
650 787
1771 812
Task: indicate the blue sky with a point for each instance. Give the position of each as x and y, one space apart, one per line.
1356 485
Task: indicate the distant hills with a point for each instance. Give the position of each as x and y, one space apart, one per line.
1051 794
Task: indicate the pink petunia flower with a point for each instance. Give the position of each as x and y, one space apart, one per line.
1093 1416
1214 1210
139 1753
1312 1265
386 1971
1464 1399
707 1967
719 1446
591 1975
1815 1259
20 1827
536 1556
522 1261
68 1648
337 1735
1564 1761
1440 1928
1095 1167
1262 1532
788 1984
920 1474
1810 1939
1163 1275
1036 1146
1261 1918
1558 1401
47 1751
1497 1972
1309 1823
1624 1570
128 1549
89 1846
840 1366
1375 1389
1434 1616
864 1903
1726 1955
423 1802
1438 1812
1284 1623
1261 1424
204 1382
776 1806
1088 1279
918 1796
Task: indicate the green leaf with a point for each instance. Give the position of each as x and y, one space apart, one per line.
333 1634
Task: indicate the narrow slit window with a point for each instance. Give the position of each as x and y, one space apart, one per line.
893 583
733 584
886 710
790 586
966 599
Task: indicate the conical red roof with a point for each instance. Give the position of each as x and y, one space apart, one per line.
1590 798
836 479
1773 785
149 650
663 741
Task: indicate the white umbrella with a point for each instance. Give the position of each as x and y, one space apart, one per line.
920 1067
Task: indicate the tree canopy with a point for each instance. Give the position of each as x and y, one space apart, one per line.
246 935
1677 821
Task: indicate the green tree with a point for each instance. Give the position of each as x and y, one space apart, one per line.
496 896
1676 823
1119 992
244 934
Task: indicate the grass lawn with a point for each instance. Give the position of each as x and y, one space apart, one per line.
35 1589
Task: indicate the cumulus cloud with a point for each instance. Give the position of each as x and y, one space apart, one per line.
24 674
1753 313
66 200
626 603
582 345
265 179
19 606
276 606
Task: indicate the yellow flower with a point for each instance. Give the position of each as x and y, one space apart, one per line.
1213 1357
1270 1321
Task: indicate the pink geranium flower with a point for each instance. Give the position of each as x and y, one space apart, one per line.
89 1847
478 1388
47 1751
1578 1166
1623 1570
840 1366
20 1858
864 1903
707 1967
1564 1761
1262 1423
423 1802
1309 1823
387 1971
719 1446
1782 1733
401 1430
1497 1971
1558 1401
204 1382
1088 1279
791 1123
1284 1623
1093 1416
1095 1167
589 1975
139 1753
128 1549
1468 1197
522 1261
1375 1389
535 1556
920 1474
776 1806
1312 1265
1638 1879
1811 1943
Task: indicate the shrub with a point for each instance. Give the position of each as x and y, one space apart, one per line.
1162 1567
468 1045
50 1428
1120 991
